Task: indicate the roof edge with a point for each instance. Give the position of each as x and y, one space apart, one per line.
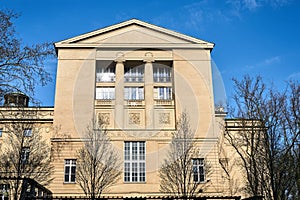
131 22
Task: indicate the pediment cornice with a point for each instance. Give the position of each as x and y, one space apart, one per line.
143 35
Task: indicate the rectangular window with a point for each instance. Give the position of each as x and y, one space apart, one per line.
27 132
134 71
162 72
105 93
1 132
70 170
163 93
198 169
105 71
135 162
25 155
133 93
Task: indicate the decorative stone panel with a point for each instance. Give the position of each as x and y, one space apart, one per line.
164 118
134 118
104 117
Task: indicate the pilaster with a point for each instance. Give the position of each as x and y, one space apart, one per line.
119 92
149 100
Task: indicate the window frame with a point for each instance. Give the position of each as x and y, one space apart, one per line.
25 153
134 162
198 170
27 132
162 74
134 74
105 72
105 94
163 93
70 164
134 93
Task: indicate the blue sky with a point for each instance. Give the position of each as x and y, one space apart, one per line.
256 37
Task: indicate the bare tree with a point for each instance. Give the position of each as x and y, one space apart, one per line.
292 127
179 174
98 163
264 141
58 141
228 164
21 66
24 152
244 136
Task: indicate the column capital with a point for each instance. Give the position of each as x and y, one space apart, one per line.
120 57
148 57
119 60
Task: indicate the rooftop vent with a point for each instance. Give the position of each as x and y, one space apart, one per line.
16 99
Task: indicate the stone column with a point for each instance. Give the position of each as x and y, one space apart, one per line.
119 92
149 100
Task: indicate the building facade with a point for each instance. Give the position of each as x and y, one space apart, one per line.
138 78
25 147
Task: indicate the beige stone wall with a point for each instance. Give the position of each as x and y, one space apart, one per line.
148 120
193 94
65 149
144 120
38 119
74 97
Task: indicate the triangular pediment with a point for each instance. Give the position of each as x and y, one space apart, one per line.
133 32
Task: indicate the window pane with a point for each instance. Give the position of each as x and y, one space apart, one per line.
196 178
162 72
27 132
142 151
72 178
142 172
134 172
133 93
126 172
164 93
198 169
105 71
105 93
67 170
195 169
67 178
127 151
134 72
134 151
25 155
201 161
73 170
134 168
141 93
70 170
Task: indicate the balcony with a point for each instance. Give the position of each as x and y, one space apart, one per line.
104 102
105 77
164 102
135 79
135 103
